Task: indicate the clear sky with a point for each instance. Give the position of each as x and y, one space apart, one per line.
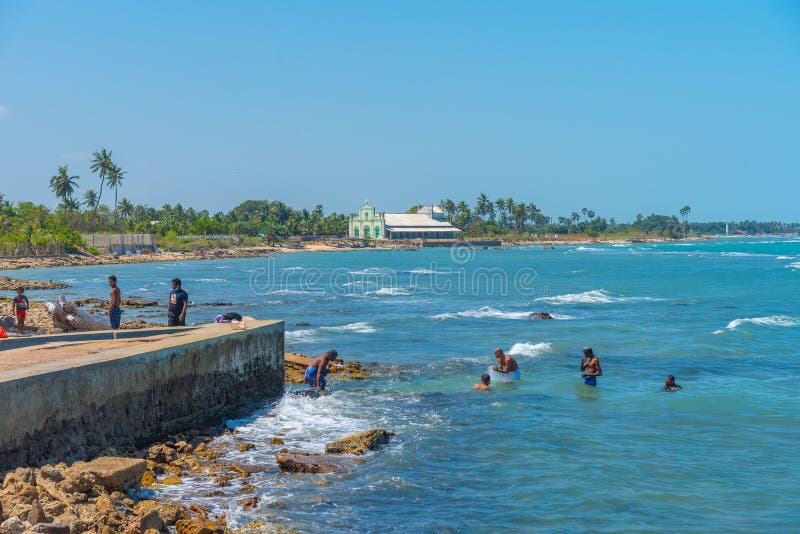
619 106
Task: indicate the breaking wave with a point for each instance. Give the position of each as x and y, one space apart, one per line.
529 349
596 296
772 320
488 311
356 328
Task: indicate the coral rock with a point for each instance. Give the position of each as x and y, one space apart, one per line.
113 474
305 462
162 454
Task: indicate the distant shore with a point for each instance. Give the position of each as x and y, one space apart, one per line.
74 260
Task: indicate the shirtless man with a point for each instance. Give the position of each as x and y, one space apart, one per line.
114 300
505 363
670 385
590 367
483 385
316 372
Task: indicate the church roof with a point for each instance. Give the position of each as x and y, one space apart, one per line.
416 222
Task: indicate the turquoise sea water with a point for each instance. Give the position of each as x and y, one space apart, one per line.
547 453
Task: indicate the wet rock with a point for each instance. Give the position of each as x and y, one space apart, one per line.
540 315
113 474
184 448
11 284
359 443
302 324
306 462
147 480
248 488
168 511
198 526
248 503
244 447
276 441
172 481
162 454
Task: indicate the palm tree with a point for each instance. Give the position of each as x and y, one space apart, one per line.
126 208
685 211
101 164
90 199
63 185
70 204
114 179
483 206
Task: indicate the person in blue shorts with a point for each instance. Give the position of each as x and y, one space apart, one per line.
590 367
114 301
318 370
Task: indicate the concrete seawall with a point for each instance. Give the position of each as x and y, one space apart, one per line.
69 400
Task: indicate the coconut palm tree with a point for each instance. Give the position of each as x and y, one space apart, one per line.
101 163
483 206
70 204
90 199
63 185
685 211
126 208
114 180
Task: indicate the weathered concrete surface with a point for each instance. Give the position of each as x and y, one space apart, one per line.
67 401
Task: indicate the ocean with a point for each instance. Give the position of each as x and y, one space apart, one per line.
547 453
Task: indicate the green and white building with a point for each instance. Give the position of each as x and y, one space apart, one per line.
427 223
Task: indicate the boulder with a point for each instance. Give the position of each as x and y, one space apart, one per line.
170 512
359 443
540 315
113 474
198 526
248 503
306 462
162 454
244 447
13 525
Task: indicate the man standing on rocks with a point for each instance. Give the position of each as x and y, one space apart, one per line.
178 302
114 301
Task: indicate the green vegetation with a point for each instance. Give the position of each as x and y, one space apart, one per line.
510 219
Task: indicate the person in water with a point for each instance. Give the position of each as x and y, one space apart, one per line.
505 363
484 383
670 385
318 370
590 367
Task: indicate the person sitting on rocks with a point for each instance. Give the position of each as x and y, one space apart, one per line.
318 370
484 383
670 385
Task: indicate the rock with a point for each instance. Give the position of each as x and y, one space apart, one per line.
359 443
172 481
248 488
540 315
162 454
306 462
198 526
200 447
184 448
170 512
146 520
51 528
113 474
244 447
276 441
147 480
248 503
13 525
302 324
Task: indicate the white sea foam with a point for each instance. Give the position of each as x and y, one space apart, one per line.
785 258
489 312
427 271
772 320
529 349
392 291
210 280
746 254
293 269
373 270
795 265
356 328
596 296
292 292
718 332
299 336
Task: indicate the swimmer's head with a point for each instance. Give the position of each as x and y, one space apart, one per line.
670 379
587 351
498 352
331 354
485 379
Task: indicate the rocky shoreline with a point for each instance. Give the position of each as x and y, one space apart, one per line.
118 491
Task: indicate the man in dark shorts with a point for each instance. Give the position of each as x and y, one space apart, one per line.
318 370
114 300
178 302
590 367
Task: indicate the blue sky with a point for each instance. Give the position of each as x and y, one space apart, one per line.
621 107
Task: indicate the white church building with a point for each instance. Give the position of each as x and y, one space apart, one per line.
427 223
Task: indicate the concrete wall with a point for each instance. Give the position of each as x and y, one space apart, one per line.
74 413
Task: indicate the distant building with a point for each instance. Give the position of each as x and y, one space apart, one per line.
427 223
